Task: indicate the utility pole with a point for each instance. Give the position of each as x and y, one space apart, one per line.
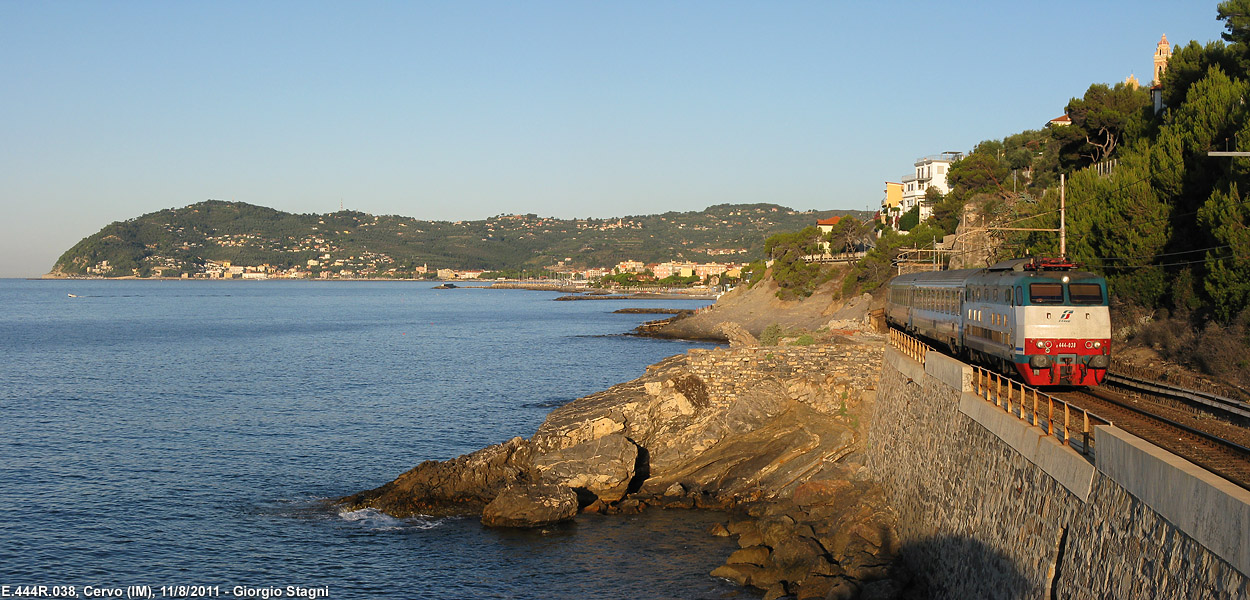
1063 227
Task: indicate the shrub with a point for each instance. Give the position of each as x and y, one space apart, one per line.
771 335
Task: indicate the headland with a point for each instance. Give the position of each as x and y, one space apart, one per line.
772 433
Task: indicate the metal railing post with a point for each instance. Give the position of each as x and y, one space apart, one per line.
1035 407
1085 431
1050 416
1067 417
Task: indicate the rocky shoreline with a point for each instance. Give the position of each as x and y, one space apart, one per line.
771 434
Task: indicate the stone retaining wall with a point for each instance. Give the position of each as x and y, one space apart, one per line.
979 520
821 376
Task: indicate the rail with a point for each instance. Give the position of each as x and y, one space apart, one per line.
1181 384
909 345
1048 413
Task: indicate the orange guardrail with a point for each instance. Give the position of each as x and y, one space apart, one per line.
1048 413
909 345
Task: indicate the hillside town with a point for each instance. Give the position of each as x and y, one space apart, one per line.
331 264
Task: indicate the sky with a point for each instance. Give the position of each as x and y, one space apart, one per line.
466 110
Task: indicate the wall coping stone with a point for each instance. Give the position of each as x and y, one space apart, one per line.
1210 509
948 370
1064 464
904 364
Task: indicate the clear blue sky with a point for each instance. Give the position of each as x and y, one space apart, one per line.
465 110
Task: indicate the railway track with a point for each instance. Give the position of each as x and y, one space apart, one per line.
1221 407
1216 445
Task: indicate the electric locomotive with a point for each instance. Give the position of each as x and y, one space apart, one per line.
1039 318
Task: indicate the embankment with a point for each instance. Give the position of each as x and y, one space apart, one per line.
991 507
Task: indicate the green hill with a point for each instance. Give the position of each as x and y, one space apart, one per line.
190 239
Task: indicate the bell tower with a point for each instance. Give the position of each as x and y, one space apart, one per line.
1163 51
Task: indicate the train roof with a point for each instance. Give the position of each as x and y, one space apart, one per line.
1016 267
956 276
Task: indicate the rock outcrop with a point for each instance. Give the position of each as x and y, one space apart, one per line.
833 538
768 432
602 467
531 504
460 486
738 336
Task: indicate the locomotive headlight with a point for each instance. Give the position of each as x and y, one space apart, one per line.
1098 344
1065 278
1041 344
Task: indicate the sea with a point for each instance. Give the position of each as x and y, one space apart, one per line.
168 439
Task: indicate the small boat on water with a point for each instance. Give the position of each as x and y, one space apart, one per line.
73 295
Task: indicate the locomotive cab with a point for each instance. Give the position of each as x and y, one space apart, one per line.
1063 326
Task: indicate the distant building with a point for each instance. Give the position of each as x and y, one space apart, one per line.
710 269
1163 52
1060 121
929 172
826 225
629 266
892 205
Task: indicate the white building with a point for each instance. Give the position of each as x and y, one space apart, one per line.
930 171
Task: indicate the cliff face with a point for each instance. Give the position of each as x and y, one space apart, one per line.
774 433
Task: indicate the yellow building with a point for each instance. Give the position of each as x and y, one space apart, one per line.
892 205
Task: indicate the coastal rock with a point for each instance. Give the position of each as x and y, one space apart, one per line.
603 466
531 504
830 538
763 431
776 592
751 555
741 574
460 486
737 334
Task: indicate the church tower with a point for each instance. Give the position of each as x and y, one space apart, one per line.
1163 51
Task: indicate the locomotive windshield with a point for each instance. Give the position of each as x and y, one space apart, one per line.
1085 293
1046 293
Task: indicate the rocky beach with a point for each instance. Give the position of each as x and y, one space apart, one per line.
772 434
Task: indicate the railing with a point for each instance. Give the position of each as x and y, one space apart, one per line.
1048 413
834 258
909 345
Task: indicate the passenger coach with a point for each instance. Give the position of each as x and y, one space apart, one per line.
1041 319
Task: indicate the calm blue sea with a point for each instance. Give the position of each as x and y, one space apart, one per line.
167 433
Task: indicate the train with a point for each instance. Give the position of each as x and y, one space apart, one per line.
1040 319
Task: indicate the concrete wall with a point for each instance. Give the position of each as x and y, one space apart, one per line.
989 508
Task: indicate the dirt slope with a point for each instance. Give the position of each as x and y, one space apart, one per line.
758 307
